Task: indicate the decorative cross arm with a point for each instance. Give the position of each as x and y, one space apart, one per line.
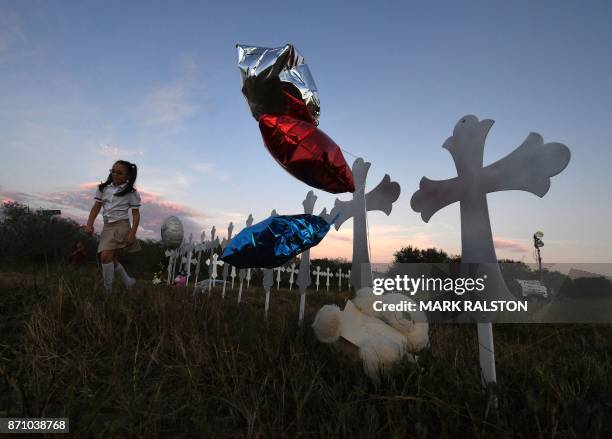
434 195
383 196
528 168
380 198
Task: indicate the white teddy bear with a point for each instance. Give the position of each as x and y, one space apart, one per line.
383 337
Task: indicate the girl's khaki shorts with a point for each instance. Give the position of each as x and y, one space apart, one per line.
113 237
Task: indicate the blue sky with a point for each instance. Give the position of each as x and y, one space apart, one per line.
83 83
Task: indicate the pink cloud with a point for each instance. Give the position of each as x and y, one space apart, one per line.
385 240
510 245
76 203
89 185
12 196
340 237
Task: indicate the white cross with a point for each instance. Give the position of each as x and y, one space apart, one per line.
203 247
292 271
190 260
214 240
242 273
224 244
278 276
339 276
213 263
380 198
170 254
233 275
317 273
348 278
268 281
303 278
528 168
176 259
268 278
327 274
183 254
198 249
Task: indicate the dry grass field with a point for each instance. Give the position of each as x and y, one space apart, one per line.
159 362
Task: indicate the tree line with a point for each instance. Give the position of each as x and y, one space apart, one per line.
33 238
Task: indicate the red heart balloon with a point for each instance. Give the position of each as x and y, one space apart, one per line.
305 151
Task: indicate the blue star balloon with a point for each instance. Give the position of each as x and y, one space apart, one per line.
275 241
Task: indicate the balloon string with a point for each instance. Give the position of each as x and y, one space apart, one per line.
348 152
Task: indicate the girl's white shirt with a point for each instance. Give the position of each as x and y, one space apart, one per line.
116 208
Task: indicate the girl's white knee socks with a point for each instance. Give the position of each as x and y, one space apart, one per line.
125 278
108 273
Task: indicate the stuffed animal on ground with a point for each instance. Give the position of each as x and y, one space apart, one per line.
382 337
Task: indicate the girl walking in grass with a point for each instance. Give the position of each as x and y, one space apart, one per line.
116 196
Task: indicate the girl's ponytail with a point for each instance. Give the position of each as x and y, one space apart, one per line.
134 174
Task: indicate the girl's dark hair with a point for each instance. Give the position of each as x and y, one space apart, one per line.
132 171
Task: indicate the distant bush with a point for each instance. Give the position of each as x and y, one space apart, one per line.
414 255
30 237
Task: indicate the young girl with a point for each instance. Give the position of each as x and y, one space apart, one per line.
116 196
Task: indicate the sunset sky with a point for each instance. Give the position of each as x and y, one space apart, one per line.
84 83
